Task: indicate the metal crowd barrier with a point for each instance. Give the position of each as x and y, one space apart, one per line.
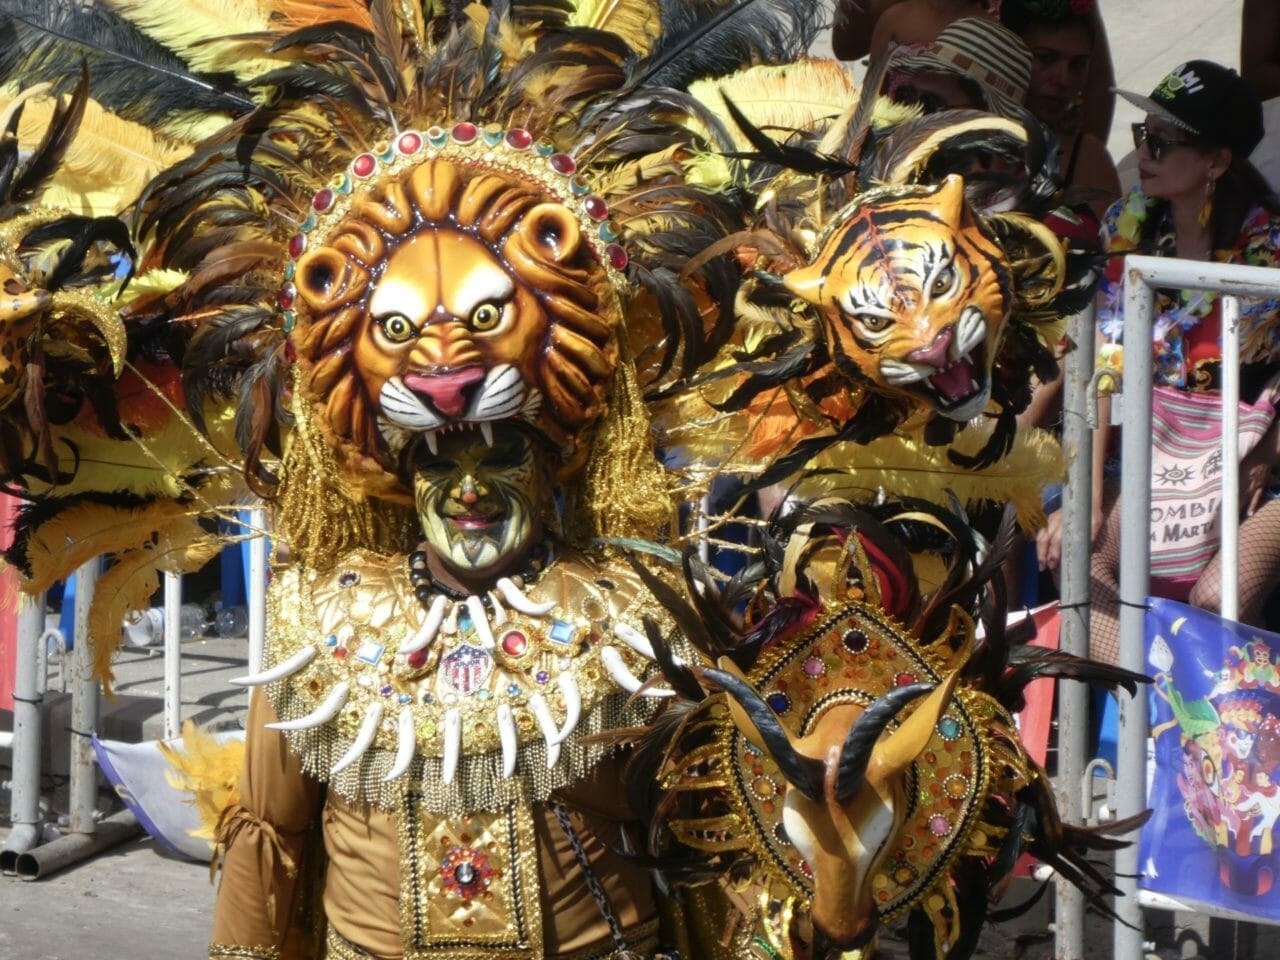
1142 276
23 855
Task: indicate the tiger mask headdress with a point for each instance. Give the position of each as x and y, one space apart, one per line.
914 294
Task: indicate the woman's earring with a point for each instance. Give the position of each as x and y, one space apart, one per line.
1206 209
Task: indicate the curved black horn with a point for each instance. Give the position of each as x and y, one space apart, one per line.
803 773
864 733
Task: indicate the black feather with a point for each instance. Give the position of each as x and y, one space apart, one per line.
45 158
133 75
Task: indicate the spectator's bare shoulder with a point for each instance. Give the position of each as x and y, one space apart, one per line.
855 23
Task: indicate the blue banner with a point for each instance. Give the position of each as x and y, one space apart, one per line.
1215 793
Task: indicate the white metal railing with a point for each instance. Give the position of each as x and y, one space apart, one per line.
1142 275
21 855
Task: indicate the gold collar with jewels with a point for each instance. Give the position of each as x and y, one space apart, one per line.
501 698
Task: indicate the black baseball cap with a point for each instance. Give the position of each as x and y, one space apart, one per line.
1210 101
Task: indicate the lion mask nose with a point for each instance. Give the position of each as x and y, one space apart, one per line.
446 391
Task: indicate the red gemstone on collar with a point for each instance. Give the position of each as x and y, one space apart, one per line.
617 256
562 164
417 659
518 138
596 208
409 143
323 200
464 132
514 643
364 165
297 244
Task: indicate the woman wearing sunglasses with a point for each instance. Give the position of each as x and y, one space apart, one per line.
1198 198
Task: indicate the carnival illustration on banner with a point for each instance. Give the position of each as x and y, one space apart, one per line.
1216 787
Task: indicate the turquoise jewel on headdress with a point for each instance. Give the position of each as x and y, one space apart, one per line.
388 152
437 136
492 135
309 223
290 318
290 269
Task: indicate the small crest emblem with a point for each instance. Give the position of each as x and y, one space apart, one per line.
467 668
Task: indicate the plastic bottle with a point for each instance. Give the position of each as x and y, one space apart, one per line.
232 622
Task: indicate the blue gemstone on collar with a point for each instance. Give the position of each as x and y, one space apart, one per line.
405 698
464 622
331 640
562 632
370 651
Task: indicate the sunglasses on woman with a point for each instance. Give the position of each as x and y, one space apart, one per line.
1156 144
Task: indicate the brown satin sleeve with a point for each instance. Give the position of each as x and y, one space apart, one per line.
262 841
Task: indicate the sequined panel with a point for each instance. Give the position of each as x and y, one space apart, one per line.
469 886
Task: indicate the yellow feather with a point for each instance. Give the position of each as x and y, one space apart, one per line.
107 164
88 530
203 32
636 22
906 466
804 95
179 547
209 769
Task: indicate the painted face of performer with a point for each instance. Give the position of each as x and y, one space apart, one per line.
479 505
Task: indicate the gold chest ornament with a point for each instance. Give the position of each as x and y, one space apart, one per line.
472 703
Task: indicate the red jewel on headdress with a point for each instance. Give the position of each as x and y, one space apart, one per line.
562 163
285 296
322 201
596 208
464 132
617 256
297 244
519 138
364 165
409 143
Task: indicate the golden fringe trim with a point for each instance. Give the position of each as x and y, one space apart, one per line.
322 516
479 783
626 493
225 951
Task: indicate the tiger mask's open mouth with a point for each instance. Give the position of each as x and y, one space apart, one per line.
952 373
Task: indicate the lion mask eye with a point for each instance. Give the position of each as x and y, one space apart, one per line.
485 317
396 327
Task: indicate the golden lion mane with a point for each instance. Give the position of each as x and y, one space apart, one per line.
574 289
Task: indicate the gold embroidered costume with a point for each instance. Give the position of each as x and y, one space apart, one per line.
483 301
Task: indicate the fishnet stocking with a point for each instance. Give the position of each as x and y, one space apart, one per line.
1259 571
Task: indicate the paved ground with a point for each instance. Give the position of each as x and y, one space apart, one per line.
133 902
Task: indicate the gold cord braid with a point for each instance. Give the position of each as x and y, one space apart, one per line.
626 492
322 514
